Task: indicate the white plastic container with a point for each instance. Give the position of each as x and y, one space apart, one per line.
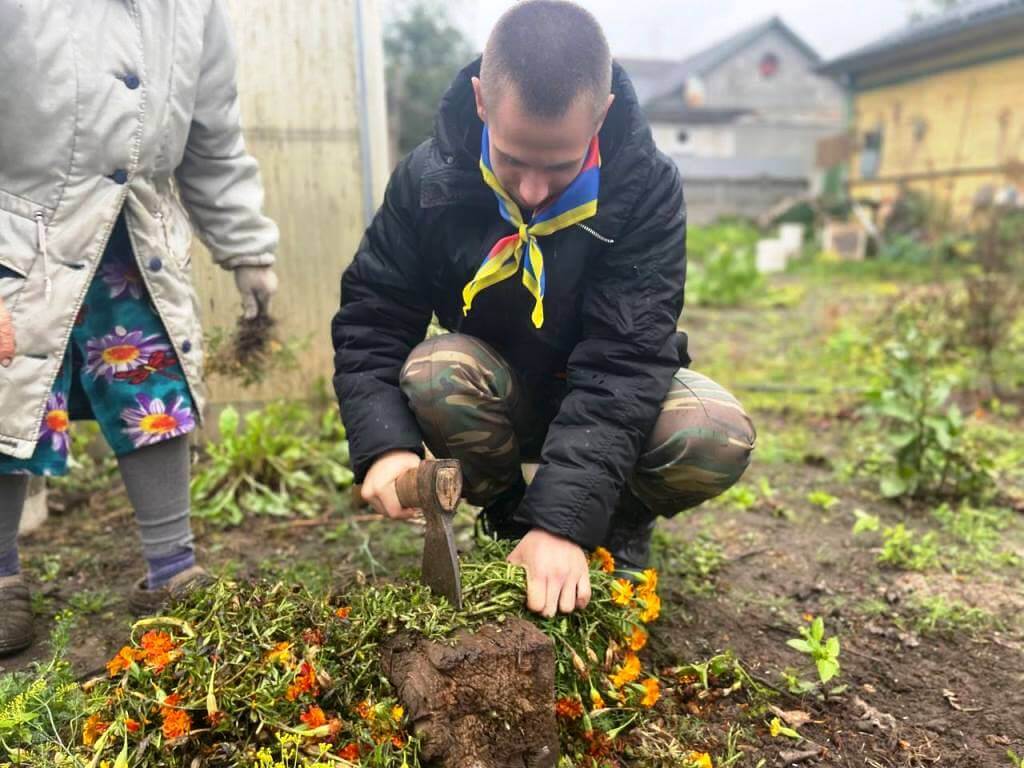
771 256
792 237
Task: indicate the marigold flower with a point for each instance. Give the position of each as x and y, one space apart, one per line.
313 636
123 660
314 717
343 612
648 581
638 639
569 708
132 725
397 713
397 741
599 746
602 558
364 709
349 752
699 760
94 726
158 649
652 692
652 608
177 723
305 682
279 653
628 672
170 702
622 592
596 702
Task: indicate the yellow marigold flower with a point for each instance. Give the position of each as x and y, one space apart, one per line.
638 639
652 692
596 702
622 592
280 653
397 713
628 672
652 609
699 760
94 726
603 559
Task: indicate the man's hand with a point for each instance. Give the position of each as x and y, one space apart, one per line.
7 345
379 484
256 285
557 573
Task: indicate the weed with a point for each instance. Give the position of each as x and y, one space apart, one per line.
822 499
865 523
740 496
693 562
907 551
1016 761
937 614
824 652
277 461
723 272
90 602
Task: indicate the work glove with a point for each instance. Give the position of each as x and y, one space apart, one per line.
7 347
256 286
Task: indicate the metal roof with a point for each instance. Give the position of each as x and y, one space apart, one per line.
966 17
740 168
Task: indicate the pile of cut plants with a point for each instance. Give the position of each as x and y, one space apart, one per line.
270 674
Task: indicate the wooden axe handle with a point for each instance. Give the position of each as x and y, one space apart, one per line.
434 484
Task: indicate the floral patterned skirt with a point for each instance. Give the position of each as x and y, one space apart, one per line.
120 368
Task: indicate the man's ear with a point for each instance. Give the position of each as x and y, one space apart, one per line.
604 112
478 94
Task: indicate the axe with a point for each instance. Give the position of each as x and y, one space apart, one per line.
435 486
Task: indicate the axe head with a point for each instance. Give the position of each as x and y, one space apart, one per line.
435 486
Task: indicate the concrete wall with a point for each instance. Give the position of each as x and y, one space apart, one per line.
301 111
794 92
702 140
710 199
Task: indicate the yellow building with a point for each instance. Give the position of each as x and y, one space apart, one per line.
939 106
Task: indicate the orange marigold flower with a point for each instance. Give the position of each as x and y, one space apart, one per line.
652 692
177 723
343 612
648 581
596 701
279 653
569 708
350 752
94 726
123 660
364 709
305 682
603 559
628 672
155 641
652 608
397 741
638 639
622 592
314 717
599 746
132 725
170 702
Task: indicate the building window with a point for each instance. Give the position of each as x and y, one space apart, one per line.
683 137
769 66
871 154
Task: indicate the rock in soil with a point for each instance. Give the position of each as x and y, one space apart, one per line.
486 701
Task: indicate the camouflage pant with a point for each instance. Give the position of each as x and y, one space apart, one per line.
471 406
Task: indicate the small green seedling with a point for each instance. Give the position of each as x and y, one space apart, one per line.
865 523
1016 761
824 652
822 499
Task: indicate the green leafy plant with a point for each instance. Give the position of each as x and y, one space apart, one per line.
937 614
722 267
865 523
1016 761
907 550
278 461
922 450
824 652
822 499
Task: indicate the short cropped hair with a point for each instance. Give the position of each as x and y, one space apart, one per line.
551 53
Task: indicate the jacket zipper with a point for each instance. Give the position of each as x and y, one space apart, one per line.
595 234
43 251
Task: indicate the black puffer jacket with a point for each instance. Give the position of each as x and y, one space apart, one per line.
614 294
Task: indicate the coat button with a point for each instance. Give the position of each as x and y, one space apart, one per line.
131 82
155 265
120 176
186 346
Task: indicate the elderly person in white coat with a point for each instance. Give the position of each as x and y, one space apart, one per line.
119 126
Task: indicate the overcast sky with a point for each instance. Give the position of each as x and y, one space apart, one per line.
676 28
